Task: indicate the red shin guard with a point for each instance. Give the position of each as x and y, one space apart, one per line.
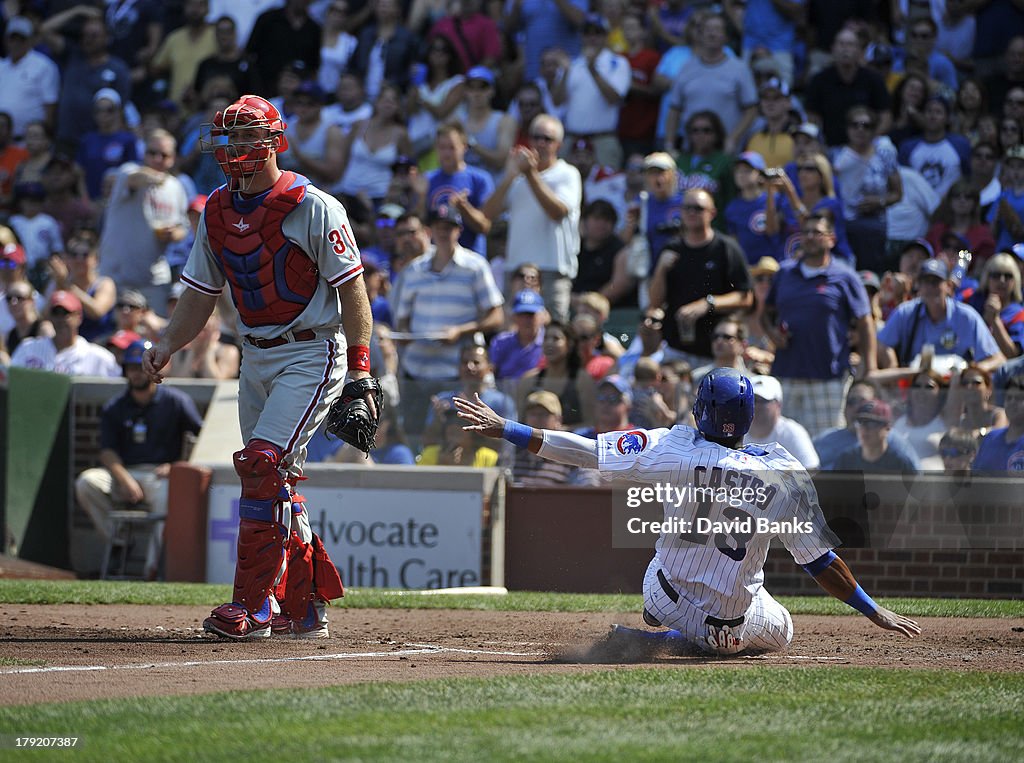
260 558
311 574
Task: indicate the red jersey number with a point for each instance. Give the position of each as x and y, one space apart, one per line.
339 238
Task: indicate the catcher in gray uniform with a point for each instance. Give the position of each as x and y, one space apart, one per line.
285 250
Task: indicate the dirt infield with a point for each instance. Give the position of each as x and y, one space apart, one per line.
64 653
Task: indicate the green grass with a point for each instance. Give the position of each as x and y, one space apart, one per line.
203 595
758 713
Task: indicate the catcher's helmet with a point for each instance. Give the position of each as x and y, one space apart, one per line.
239 155
133 352
724 406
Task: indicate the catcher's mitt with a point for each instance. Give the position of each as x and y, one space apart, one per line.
350 418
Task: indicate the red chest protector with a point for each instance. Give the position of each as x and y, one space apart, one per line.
271 279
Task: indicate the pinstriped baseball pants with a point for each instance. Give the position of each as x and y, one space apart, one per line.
767 625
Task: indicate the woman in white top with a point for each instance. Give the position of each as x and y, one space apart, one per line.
432 102
372 146
336 46
314 144
923 425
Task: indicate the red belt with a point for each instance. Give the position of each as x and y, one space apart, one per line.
265 344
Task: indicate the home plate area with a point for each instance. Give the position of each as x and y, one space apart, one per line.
76 652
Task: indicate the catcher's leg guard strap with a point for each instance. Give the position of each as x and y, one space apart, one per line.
260 559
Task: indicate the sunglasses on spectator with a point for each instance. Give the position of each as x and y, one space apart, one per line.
694 208
8 264
725 337
858 402
871 424
701 128
808 167
860 124
954 452
527 275
59 312
13 299
542 137
1001 275
611 399
929 385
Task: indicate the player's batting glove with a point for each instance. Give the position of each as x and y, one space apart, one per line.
350 418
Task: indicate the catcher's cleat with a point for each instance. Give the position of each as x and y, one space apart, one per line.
234 621
313 626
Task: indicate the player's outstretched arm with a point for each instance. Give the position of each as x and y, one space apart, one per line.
831 573
561 447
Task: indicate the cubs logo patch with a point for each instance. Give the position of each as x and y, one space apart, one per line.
728 428
1015 463
631 443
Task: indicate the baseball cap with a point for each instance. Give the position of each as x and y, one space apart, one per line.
1014 153
583 144
774 83
923 243
809 129
480 73
543 399
765 265
67 300
875 410
107 94
595 21
621 386
403 162
311 89
935 268
444 213
752 158
390 211
122 339
15 253
20 25
767 387
659 160
132 298
527 301
870 279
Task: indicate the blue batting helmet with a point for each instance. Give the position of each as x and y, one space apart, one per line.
724 406
133 352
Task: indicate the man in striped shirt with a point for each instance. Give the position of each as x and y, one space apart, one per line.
445 297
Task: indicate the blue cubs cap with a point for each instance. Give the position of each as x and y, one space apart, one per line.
754 159
935 268
528 301
480 73
923 243
133 352
444 213
621 386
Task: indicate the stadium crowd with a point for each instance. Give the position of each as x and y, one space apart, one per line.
575 210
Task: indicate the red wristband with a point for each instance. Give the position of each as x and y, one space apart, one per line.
359 358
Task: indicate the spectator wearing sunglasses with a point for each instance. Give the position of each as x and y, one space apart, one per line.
28 323
66 352
872 453
76 270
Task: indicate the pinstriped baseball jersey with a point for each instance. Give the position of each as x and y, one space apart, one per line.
715 557
318 226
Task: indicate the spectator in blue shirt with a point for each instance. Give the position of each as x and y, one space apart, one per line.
832 443
515 352
746 218
936 319
812 303
1003 449
460 185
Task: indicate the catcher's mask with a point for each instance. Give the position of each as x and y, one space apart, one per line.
242 137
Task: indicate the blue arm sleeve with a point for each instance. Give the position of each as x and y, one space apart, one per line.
818 566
